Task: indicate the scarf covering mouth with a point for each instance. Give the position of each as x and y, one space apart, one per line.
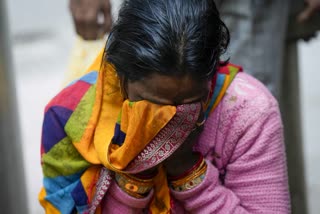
142 137
110 134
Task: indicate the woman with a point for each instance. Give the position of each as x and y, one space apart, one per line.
160 125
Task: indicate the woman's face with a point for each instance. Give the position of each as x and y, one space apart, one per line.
168 90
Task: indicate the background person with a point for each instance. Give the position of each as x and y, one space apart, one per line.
264 39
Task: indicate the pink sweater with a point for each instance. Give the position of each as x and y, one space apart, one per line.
244 149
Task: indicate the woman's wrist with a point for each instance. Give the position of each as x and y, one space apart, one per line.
191 178
178 168
134 186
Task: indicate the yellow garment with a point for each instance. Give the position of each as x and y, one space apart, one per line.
82 55
141 123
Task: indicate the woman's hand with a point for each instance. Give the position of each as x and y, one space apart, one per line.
312 7
92 18
184 158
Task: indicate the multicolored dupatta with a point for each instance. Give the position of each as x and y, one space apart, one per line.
89 132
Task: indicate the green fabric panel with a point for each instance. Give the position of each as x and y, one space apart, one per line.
63 159
119 117
79 119
131 103
233 71
232 68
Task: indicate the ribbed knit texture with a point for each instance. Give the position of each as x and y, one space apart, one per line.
243 145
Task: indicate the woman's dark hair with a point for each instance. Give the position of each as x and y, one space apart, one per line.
169 37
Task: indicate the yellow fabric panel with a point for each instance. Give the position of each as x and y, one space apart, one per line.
89 179
82 55
49 208
141 123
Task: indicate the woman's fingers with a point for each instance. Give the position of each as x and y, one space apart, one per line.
306 14
107 18
312 7
92 18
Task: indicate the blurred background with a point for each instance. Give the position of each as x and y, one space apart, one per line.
41 38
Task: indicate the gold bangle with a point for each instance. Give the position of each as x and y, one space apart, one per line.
195 173
190 181
190 184
194 176
133 186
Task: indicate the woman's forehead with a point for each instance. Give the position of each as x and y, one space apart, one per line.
169 89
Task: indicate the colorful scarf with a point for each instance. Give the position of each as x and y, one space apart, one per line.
84 139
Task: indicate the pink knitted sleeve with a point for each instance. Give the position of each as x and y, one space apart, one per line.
255 179
119 202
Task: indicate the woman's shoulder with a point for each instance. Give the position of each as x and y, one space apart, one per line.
246 101
73 94
248 92
244 109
